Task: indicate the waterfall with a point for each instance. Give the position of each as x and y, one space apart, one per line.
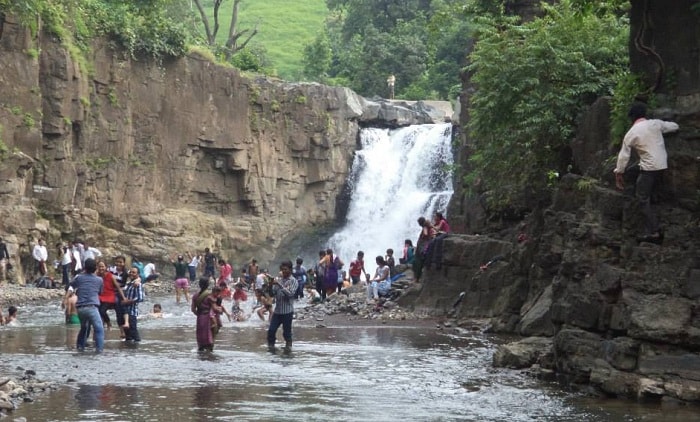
397 176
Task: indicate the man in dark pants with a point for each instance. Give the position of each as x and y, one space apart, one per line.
283 290
4 261
645 137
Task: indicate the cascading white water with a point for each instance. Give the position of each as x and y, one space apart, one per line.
397 176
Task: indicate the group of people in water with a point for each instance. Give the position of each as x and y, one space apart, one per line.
98 288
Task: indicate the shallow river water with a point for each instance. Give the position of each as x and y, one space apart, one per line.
379 372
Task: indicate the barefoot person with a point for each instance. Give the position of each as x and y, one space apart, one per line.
182 285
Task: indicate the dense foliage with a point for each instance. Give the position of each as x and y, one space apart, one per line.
364 42
142 27
533 81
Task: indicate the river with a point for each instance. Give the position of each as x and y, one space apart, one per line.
337 372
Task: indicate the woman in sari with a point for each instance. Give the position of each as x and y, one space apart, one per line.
203 304
332 265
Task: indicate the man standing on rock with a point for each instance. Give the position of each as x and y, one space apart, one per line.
40 255
88 287
645 137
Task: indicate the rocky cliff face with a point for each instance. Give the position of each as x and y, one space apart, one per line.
153 159
598 306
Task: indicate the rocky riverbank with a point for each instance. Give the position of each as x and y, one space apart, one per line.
20 388
20 295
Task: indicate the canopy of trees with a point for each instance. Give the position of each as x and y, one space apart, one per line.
365 42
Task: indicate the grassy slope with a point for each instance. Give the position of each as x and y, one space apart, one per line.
285 27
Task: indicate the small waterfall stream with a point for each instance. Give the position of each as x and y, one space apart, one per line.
397 176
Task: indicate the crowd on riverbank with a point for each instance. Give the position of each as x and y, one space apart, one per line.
350 305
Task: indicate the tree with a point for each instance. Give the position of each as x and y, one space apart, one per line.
532 82
235 34
318 58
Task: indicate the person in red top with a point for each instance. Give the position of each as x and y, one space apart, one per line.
239 296
110 291
440 223
357 267
225 272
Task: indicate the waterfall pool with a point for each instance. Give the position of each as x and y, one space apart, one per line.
339 372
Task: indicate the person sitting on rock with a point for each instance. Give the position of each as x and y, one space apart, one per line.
380 275
408 252
389 259
441 224
312 294
149 271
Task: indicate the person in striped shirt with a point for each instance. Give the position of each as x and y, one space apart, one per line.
133 292
283 290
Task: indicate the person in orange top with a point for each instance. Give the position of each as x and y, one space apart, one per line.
110 291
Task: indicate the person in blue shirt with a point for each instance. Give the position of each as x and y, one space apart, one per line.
299 272
88 287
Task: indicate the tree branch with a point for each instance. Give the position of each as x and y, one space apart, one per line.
205 21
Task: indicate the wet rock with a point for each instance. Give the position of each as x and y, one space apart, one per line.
536 319
523 353
577 353
614 382
353 302
621 353
21 389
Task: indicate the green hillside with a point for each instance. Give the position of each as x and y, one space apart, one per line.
284 28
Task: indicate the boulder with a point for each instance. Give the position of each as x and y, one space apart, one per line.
524 353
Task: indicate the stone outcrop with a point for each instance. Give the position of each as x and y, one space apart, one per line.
152 159
622 315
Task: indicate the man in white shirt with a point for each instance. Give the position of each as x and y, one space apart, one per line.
88 252
77 260
646 138
40 255
149 271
